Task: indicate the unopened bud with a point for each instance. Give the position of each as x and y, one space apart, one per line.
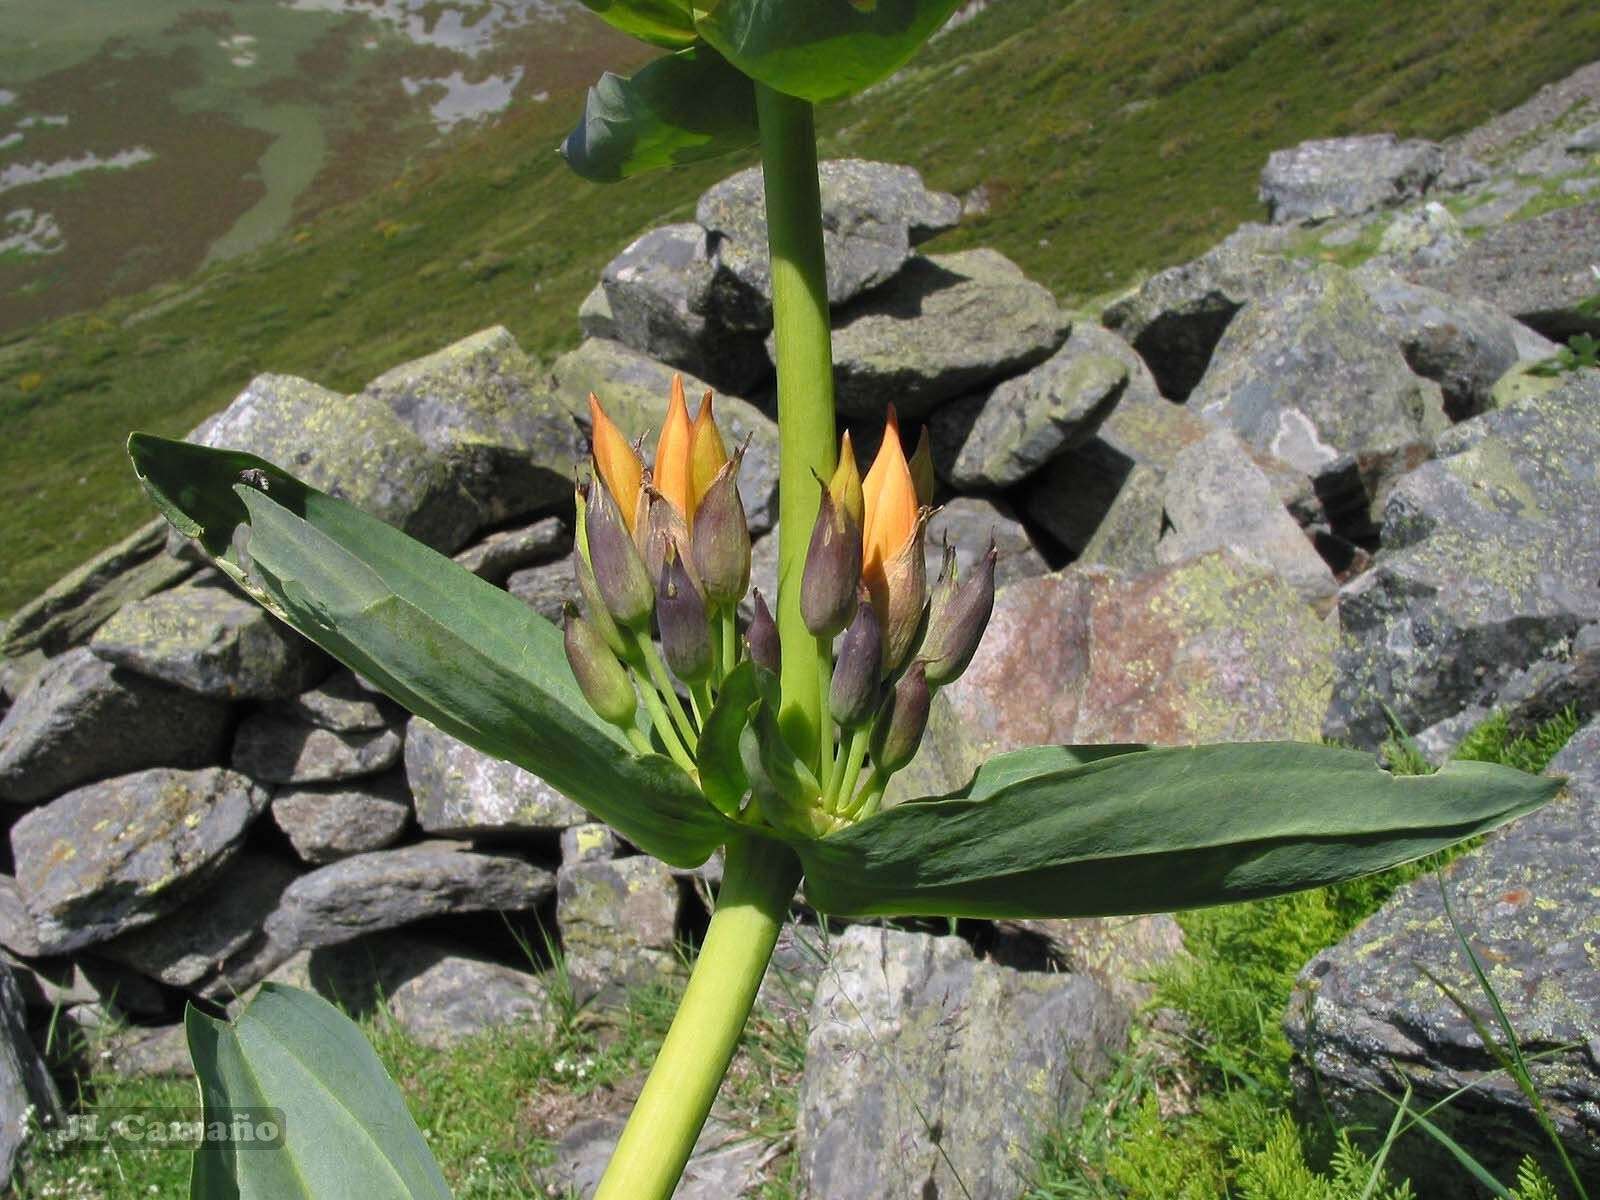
921 464
957 619
845 486
901 722
594 605
661 529
721 538
765 649
681 616
899 592
832 571
601 678
619 572
853 695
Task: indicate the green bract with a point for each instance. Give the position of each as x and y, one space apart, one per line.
666 23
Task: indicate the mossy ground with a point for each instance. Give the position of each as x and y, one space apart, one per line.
1110 138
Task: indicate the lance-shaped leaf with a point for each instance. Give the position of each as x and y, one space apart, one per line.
660 22
819 49
1154 830
342 1124
471 658
683 108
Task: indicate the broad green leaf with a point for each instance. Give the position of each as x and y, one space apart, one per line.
469 657
682 108
1154 830
819 49
723 777
344 1126
666 23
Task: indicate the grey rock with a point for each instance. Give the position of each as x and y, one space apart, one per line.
594 315
1490 559
1585 140
1532 270
1346 176
951 1067
591 842
1126 537
339 704
209 640
27 1093
872 214
945 326
1216 498
81 719
17 931
1426 236
53 985
727 1163
546 588
508 550
148 1052
1177 316
634 390
618 923
1365 1017
1311 376
455 997
763 574
968 523
115 855
328 822
459 791
1121 954
994 440
276 749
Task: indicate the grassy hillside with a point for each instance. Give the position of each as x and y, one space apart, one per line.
1113 137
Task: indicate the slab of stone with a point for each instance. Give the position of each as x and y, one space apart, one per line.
634 389
54 985
461 792
594 315
27 1092
148 1052
340 704
618 923
546 588
508 550
1365 1016
277 749
590 842
1426 236
946 326
726 1162
455 997
118 854
1127 535
327 822
968 523
1336 177
82 718
1121 954
207 639
925 1067
17 931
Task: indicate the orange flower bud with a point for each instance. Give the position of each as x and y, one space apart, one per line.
615 461
672 474
707 453
892 568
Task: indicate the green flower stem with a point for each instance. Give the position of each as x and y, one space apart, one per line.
871 795
826 767
758 883
700 697
845 782
730 642
807 443
663 727
639 741
663 682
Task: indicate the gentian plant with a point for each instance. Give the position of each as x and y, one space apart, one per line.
653 710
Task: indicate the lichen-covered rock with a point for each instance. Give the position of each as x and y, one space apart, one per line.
1346 176
945 326
968 523
207 639
27 1092
508 550
327 822
1366 1019
925 1067
1311 376
278 749
546 588
1127 535
462 792
82 718
455 997
18 933
1426 236
1491 558
591 842
1121 954
118 854
634 389
996 439
339 704
618 923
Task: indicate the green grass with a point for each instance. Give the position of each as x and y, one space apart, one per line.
1206 1112
1113 138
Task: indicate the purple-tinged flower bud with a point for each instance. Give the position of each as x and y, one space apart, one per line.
681 615
832 571
601 678
858 669
901 722
762 637
959 615
619 572
720 540
661 528
589 598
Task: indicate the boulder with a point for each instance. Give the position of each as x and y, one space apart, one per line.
1532 270
929 1073
56 985
1367 1019
278 749
207 639
1311 376
508 550
148 1052
462 792
1490 560
594 315
455 997
1121 954
1338 177
546 588
1127 536
28 1095
118 854
635 388
727 1162
17 931
968 523
1427 236
872 214
341 705
618 924
590 842
81 719
327 822
945 326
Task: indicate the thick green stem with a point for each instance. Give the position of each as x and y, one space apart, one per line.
757 885
807 442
